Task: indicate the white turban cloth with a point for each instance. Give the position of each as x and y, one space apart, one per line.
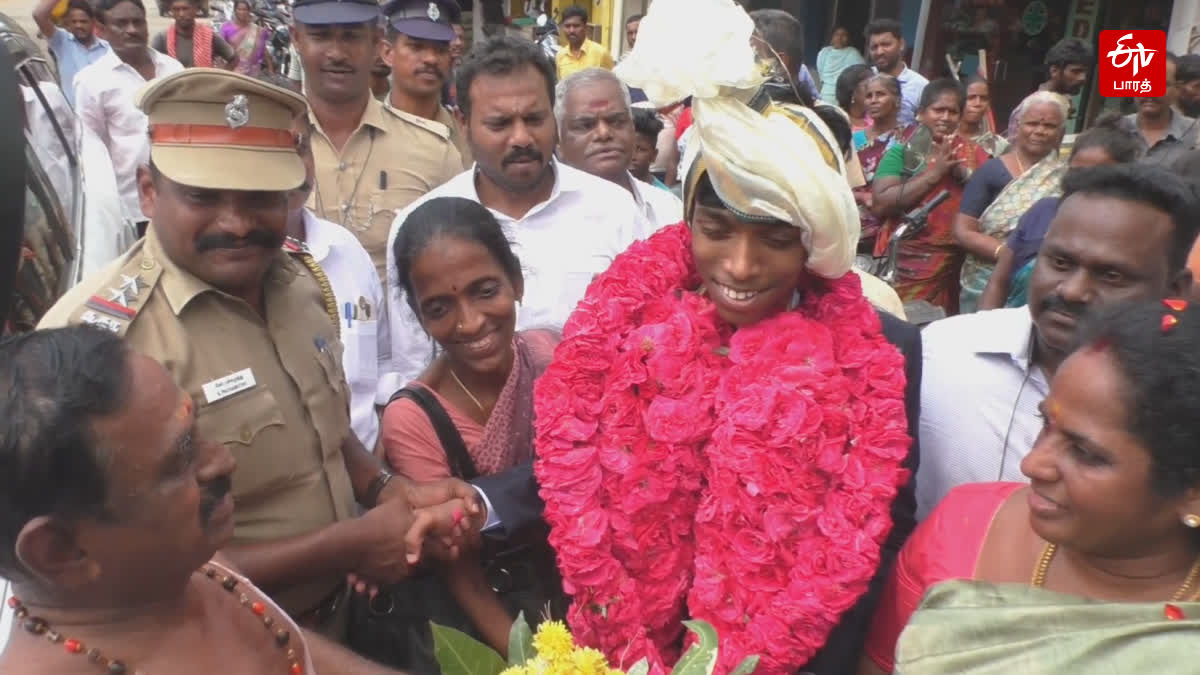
768 164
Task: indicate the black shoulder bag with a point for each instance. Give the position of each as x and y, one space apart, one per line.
393 628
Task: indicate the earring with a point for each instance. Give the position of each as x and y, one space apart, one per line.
1191 520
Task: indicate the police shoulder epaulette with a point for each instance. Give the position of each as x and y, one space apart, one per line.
432 126
299 250
118 302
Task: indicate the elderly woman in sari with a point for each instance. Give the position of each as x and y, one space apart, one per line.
1004 188
1101 549
934 159
883 105
471 412
249 41
977 122
1107 142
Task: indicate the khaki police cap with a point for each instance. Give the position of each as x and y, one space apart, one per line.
215 129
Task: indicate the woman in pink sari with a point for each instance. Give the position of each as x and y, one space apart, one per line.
470 413
249 41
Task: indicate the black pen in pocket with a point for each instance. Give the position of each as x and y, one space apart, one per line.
382 180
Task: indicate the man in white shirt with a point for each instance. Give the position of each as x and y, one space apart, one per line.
104 93
361 308
566 225
1122 234
594 112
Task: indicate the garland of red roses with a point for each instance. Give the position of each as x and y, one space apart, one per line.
747 485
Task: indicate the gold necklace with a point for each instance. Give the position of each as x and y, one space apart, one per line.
1043 566
1020 164
467 391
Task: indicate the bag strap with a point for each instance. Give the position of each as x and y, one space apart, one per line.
461 464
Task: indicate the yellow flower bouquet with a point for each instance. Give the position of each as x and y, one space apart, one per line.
552 651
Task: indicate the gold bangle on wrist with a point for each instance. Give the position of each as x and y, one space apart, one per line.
996 254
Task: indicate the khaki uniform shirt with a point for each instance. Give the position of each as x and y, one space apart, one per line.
387 163
273 390
444 119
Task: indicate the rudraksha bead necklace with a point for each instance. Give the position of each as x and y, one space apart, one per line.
279 634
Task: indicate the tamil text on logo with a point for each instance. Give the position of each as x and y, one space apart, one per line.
1133 63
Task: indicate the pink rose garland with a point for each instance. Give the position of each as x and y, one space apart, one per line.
747 485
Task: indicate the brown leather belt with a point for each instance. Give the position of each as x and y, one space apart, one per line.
324 610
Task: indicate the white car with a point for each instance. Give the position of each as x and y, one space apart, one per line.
73 223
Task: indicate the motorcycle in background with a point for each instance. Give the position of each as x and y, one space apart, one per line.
545 34
219 14
276 17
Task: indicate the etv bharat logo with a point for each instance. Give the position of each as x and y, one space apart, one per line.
1133 63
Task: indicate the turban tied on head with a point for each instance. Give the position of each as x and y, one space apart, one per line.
765 161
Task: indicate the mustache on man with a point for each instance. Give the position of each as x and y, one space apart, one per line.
520 154
263 238
1056 303
214 492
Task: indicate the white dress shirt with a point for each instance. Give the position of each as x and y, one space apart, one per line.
658 207
979 398
562 244
104 93
362 313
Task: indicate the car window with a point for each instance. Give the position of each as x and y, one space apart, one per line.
50 254
54 133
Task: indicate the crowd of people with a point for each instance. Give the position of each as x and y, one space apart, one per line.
451 334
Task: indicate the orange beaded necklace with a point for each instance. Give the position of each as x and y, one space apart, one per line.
280 635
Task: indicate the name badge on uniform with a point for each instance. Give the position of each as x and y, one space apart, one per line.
227 386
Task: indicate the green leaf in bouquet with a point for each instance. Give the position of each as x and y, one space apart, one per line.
640 668
460 654
701 658
747 666
520 642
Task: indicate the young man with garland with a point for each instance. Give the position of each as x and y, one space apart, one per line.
726 433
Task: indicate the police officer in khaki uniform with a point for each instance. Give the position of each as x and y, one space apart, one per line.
250 332
419 33
370 162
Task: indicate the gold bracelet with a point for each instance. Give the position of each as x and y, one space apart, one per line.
996 254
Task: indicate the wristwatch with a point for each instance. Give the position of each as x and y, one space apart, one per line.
375 488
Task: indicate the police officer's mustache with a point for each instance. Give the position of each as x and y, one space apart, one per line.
261 238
